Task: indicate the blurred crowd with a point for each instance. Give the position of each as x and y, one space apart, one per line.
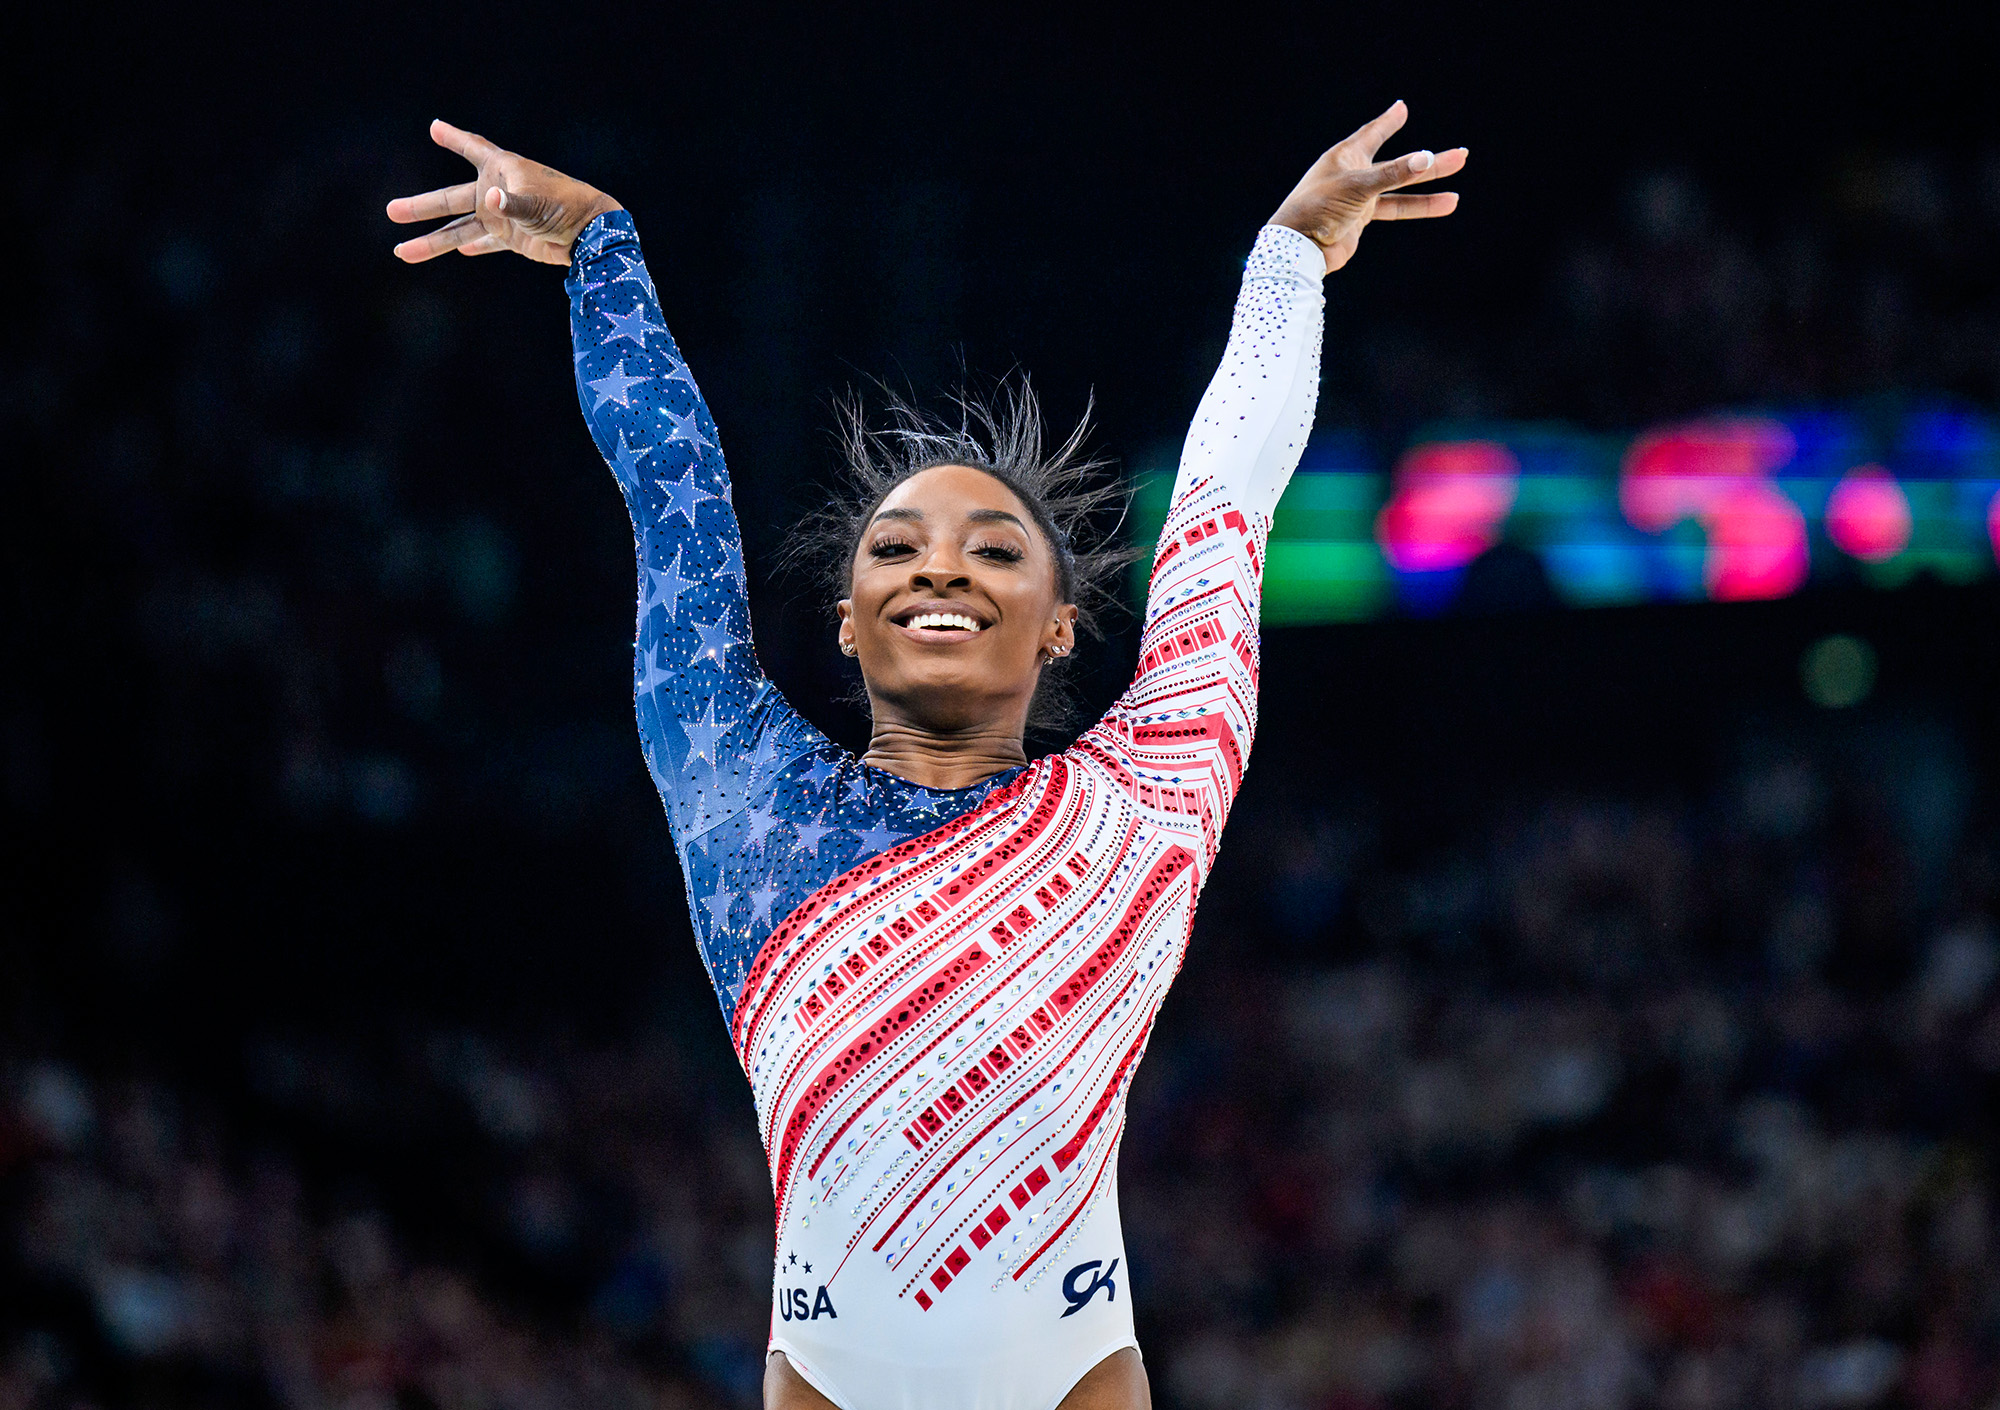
1613 1100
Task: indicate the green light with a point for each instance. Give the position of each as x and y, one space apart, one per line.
1838 671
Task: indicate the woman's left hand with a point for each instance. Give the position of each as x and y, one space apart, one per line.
1347 188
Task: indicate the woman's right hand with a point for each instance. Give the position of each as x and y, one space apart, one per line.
511 204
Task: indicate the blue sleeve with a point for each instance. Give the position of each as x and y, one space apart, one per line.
713 727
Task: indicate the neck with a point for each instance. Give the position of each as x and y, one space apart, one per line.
943 758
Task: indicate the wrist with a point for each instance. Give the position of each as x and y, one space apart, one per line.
588 211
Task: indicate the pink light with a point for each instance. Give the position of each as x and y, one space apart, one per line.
1993 526
1718 474
1756 543
1676 473
1451 498
1868 515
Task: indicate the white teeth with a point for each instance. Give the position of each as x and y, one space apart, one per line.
955 620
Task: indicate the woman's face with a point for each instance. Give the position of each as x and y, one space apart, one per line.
953 608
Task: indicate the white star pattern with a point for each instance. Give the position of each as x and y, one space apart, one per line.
702 735
614 386
665 586
684 496
810 835
760 823
625 460
716 640
685 429
634 325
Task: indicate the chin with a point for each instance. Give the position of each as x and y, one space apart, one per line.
947 696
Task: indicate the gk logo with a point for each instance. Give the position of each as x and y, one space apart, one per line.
1079 1298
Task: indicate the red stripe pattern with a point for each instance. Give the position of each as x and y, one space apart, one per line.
941 1039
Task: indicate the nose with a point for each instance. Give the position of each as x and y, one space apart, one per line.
942 567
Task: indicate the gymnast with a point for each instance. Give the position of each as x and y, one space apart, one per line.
939 962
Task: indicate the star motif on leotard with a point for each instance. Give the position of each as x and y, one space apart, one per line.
664 586
718 907
876 840
732 563
634 273
634 325
625 460
685 429
926 802
702 734
767 749
680 374
821 770
760 822
684 496
857 790
760 905
651 676
810 835
716 640
615 386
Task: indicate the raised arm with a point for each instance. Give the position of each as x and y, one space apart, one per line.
711 723
1184 727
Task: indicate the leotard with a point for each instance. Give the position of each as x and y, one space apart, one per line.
940 996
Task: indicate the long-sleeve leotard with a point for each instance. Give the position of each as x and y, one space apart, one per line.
763 807
940 998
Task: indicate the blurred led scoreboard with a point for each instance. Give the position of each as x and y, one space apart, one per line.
1725 508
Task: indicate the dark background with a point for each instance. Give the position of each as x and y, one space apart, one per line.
319 763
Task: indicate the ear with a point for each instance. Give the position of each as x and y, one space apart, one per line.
1059 636
844 636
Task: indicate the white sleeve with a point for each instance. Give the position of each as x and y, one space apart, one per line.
1179 738
1252 424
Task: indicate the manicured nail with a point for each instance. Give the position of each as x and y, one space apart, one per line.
1421 161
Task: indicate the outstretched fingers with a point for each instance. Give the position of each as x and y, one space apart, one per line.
470 145
1413 167
461 232
433 205
1367 139
1424 207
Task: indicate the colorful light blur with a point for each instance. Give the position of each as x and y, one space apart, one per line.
1868 515
1721 508
1717 473
1450 499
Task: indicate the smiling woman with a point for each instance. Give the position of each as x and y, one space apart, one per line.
940 962
1016 523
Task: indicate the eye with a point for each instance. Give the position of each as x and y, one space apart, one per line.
998 552
890 547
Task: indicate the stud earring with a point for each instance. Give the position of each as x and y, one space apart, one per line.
847 648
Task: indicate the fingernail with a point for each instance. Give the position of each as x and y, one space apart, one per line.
1421 161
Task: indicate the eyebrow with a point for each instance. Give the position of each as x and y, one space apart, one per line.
977 516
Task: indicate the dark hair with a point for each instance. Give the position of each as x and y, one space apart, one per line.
1065 489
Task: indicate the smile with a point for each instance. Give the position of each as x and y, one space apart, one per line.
944 622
